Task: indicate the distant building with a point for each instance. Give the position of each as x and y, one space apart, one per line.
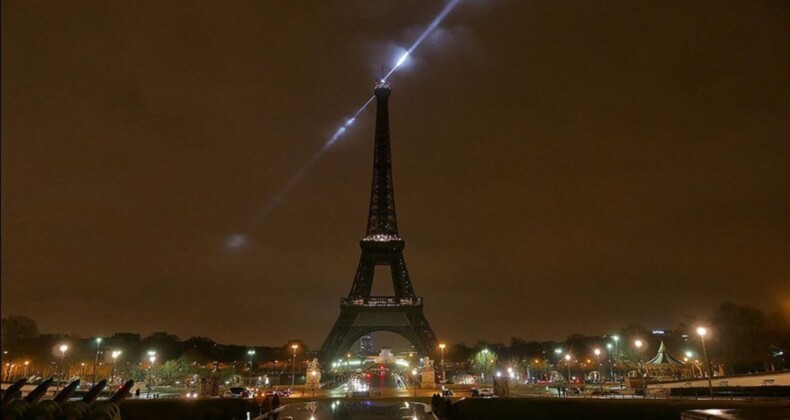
366 344
126 337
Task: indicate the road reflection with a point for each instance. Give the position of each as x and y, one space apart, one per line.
354 409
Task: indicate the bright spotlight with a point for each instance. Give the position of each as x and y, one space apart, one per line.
402 59
238 241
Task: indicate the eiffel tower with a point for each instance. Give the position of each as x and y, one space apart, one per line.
361 313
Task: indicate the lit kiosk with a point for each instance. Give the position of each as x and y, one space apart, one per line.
361 313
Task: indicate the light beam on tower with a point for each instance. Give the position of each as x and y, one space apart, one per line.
237 240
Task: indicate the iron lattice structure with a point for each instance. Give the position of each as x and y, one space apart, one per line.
361 313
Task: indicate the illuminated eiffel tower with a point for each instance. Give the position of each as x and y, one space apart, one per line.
361 313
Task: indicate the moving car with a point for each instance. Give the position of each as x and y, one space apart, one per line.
281 392
485 392
237 392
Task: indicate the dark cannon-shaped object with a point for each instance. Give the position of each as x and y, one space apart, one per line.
59 408
12 392
19 408
52 409
109 409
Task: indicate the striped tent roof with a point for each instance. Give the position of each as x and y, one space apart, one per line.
664 358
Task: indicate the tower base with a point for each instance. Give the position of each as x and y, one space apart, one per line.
359 317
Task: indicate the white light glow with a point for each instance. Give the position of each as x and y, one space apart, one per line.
402 59
236 241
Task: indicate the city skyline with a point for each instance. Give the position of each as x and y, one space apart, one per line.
568 169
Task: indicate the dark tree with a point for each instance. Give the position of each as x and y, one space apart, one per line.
17 329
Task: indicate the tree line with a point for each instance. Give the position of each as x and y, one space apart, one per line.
743 339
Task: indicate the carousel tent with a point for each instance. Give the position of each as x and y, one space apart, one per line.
665 366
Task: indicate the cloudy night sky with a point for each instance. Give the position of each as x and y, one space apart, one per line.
559 167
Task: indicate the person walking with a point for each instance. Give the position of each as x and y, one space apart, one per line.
275 405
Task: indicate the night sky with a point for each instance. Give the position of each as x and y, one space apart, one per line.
559 167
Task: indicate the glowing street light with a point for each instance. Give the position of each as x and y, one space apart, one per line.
63 349
702 331
441 347
96 360
611 361
152 359
568 364
251 353
27 362
616 349
598 362
115 354
598 367
639 344
293 367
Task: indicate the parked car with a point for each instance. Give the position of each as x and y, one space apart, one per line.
237 392
447 392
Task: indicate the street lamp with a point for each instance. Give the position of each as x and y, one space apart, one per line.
96 360
441 347
598 367
152 359
558 352
485 363
293 367
27 362
63 349
251 353
598 362
617 351
568 364
639 344
702 331
611 362
115 355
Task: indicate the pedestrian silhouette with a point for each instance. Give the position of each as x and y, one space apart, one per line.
275 406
